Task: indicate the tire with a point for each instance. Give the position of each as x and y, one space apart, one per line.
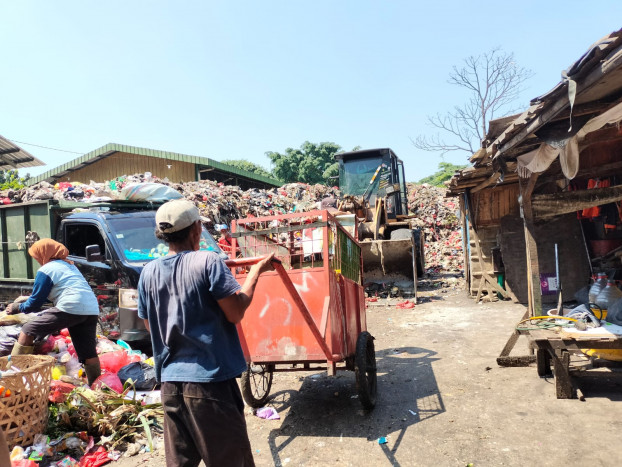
256 382
365 370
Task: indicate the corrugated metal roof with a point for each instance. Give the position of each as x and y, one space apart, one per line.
111 148
14 157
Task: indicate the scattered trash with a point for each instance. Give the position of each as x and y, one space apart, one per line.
382 440
67 461
146 397
435 214
96 458
17 454
414 413
269 413
141 374
405 305
108 380
24 463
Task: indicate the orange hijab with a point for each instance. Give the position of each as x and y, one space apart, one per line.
46 250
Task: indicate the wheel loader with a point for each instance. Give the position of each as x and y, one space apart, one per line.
373 189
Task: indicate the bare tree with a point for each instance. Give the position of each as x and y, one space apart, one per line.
494 81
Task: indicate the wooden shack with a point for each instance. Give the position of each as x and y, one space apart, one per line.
542 199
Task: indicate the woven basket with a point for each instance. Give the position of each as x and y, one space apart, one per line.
24 413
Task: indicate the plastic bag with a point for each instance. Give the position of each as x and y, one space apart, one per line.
149 192
59 391
95 459
114 361
67 461
110 380
142 374
24 463
268 413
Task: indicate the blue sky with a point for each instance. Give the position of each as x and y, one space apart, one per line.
234 79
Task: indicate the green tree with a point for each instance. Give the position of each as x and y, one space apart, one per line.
312 163
243 164
10 179
444 173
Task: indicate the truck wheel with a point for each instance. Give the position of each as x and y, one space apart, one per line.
256 382
365 370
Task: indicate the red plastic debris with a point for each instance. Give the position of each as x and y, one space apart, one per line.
24 463
110 380
95 459
59 391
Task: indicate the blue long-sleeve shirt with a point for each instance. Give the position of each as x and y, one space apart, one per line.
63 285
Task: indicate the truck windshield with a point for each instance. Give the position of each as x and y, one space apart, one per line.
355 175
138 243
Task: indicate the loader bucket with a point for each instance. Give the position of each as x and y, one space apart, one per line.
390 261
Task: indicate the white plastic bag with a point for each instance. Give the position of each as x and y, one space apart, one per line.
149 192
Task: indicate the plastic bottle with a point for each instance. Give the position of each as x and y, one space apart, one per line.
599 284
607 297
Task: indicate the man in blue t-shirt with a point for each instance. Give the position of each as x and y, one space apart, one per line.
191 303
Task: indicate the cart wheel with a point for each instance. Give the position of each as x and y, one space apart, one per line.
256 382
365 370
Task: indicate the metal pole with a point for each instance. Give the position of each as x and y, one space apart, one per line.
558 279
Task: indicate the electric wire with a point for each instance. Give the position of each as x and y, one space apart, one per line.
45 147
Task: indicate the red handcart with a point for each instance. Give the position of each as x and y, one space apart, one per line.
309 313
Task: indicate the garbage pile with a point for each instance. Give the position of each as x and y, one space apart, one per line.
119 415
436 215
219 203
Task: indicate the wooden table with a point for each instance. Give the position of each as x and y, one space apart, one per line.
553 346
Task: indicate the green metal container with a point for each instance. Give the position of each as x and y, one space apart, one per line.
16 220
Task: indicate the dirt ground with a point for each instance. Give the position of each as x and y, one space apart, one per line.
442 401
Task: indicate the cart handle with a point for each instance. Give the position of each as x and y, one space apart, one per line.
242 262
